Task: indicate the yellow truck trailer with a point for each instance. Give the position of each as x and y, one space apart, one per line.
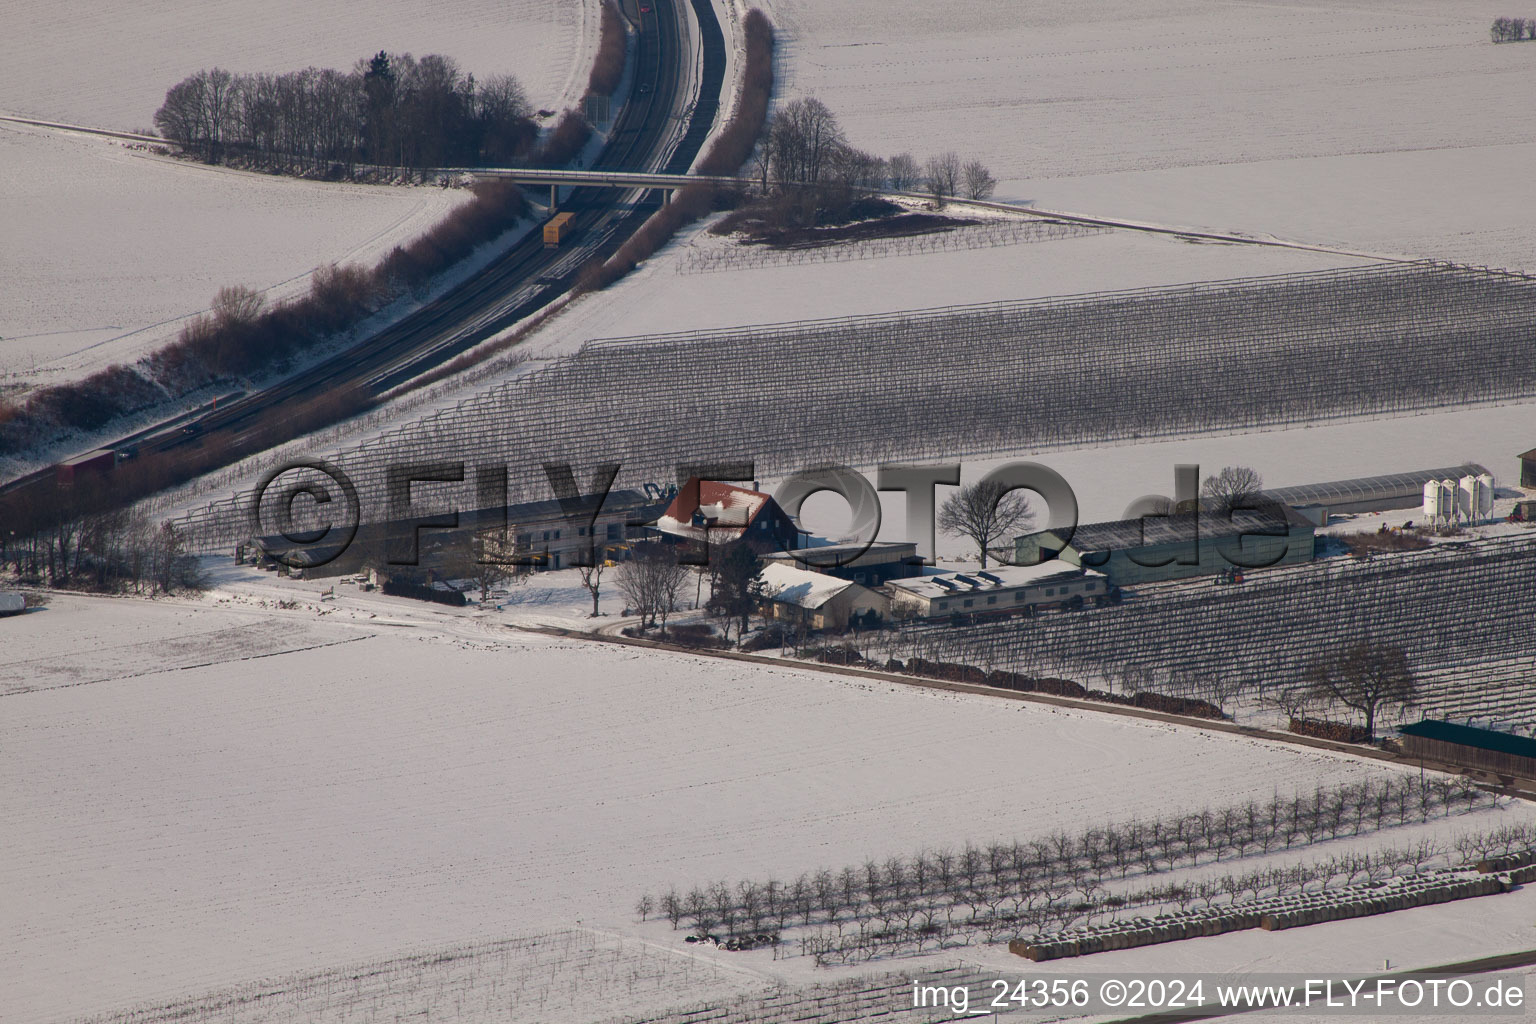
555 230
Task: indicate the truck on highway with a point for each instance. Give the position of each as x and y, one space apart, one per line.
100 461
555 230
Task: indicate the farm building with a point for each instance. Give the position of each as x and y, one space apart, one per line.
559 535
1371 493
1501 753
870 564
1528 470
706 512
818 600
1154 548
1006 588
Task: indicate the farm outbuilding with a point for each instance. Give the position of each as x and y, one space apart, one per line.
818 600
1466 746
1371 493
870 564
1011 588
1528 470
556 535
1156 548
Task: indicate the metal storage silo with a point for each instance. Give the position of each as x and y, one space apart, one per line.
1485 489
1447 498
1431 499
1466 497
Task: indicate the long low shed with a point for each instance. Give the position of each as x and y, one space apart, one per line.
1371 493
1467 746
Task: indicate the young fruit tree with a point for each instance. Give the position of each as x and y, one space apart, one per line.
986 512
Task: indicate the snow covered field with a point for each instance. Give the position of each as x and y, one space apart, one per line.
442 781
109 248
666 295
110 66
264 792
1374 123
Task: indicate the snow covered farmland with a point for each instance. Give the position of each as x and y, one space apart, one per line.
109 249
1375 124
110 67
440 781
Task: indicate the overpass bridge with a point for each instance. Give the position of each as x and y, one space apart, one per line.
556 177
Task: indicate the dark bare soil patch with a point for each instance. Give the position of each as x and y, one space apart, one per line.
898 226
775 225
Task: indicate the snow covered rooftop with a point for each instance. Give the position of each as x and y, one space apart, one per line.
1003 577
801 587
880 552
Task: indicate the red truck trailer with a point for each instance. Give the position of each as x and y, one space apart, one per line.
98 462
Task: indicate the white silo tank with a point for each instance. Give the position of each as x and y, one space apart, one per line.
1466 497
1431 499
1485 489
1447 498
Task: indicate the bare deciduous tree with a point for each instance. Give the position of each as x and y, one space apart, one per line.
1232 488
902 172
237 305
978 181
652 582
802 140
492 562
985 512
942 173
1365 677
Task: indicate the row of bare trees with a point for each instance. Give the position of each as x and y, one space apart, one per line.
1040 911
936 883
120 550
389 110
805 145
1513 30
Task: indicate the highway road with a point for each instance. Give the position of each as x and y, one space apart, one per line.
512 287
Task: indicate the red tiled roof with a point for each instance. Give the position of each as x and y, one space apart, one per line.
732 501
